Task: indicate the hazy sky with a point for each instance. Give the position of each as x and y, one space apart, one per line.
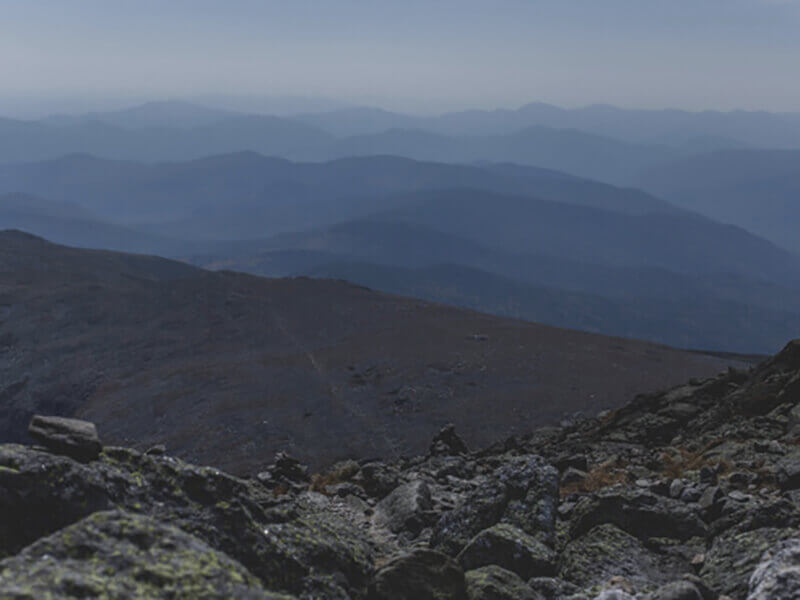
411 54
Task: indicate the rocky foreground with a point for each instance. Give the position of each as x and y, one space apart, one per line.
690 494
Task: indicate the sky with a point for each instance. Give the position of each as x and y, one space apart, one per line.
412 55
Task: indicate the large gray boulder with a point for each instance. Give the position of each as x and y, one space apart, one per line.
511 548
607 553
407 508
148 559
522 492
734 556
778 575
419 575
495 583
70 437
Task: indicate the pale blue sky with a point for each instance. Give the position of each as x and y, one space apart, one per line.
413 55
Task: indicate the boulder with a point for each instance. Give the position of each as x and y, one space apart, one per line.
640 513
495 583
42 492
285 544
71 437
419 575
407 508
448 443
733 556
552 588
678 590
148 559
508 547
606 552
777 577
522 491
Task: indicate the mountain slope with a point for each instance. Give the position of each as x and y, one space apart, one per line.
70 224
755 189
685 243
246 195
229 368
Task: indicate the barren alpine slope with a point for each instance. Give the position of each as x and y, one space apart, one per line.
688 494
226 369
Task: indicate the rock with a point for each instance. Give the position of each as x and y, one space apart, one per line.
552 588
572 476
676 488
789 472
614 595
640 513
41 493
157 450
606 552
711 496
508 547
420 575
734 556
678 590
70 437
148 559
522 492
378 479
448 443
284 544
407 508
495 583
777 577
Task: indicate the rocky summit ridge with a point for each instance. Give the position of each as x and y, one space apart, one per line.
688 494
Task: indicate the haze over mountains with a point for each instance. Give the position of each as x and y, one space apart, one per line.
503 211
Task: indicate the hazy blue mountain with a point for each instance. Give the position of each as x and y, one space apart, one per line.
705 130
569 150
684 243
22 141
246 195
167 114
69 224
755 189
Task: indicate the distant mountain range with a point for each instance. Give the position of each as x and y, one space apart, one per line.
602 143
704 130
229 368
512 240
693 226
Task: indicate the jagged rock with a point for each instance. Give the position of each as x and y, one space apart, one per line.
606 552
778 575
552 588
572 476
42 492
283 544
421 575
678 590
522 492
378 479
508 547
407 508
640 513
614 595
448 443
788 474
157 450
70 437
733 557
148 559
495 583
